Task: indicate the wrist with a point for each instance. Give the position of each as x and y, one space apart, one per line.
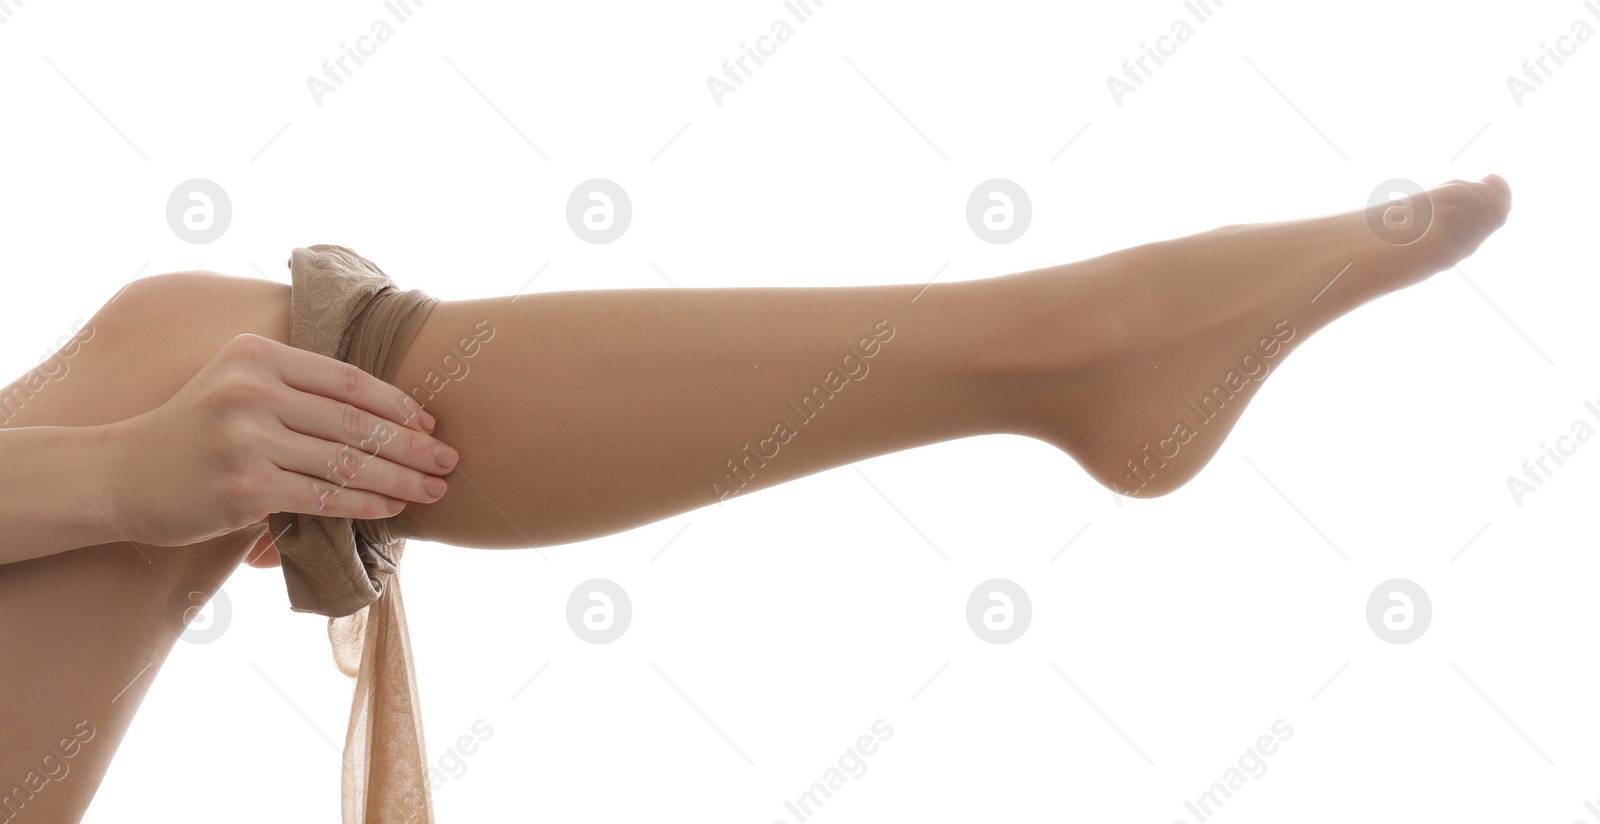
102 473
57 492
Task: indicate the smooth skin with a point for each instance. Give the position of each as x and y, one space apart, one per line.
579 414
251 434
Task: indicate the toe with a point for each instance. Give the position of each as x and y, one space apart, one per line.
1498 193
1464 214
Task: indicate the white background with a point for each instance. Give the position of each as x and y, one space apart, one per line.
793 618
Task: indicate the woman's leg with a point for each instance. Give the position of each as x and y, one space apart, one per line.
579 414
83 633
591 412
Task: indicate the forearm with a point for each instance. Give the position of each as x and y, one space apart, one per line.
55 491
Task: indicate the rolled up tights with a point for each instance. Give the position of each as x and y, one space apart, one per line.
344 307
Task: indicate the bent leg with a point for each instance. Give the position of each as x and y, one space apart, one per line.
86 631
579 414
535 391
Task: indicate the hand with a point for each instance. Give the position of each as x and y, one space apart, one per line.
266 428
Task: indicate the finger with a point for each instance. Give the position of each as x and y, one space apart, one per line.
349 467
342 424
329 378
294 492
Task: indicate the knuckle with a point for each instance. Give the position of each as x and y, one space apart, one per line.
378 436
238 389
237 436
352 423
409 410
418 448
249 347
324 498
244 490
351 379
342 464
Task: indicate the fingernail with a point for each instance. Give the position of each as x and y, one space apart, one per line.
435 487
445 456
428 420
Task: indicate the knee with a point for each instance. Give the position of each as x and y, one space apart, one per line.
141 346
154 334
193 311
189 297
154 289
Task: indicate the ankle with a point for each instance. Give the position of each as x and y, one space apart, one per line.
1033 339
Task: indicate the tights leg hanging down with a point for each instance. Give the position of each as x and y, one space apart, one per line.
344 307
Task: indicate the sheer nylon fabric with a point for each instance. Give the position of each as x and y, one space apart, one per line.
343 306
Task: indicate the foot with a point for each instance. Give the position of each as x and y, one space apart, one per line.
1166 343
